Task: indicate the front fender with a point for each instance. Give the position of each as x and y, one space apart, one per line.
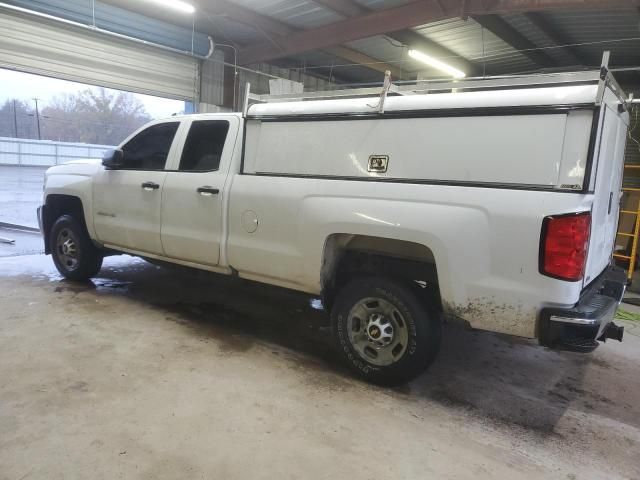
74 180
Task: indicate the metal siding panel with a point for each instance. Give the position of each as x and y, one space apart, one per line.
121 21
600 30
73 53
75 10
298 13
386 50
233 31
539 38
382 4
467 38
118 20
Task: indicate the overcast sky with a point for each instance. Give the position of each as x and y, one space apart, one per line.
24 86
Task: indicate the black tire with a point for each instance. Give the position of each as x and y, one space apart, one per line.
81 262
368 356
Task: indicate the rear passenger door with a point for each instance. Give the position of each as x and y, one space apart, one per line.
192 197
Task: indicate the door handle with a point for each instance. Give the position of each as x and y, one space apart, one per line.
207 190
150 186
610 202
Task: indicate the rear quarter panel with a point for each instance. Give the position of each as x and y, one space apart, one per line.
485 241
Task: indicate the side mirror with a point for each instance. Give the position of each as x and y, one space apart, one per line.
113 159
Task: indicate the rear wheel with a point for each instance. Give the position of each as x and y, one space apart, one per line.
384 331
74 254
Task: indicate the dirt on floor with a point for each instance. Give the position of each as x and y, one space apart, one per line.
157 373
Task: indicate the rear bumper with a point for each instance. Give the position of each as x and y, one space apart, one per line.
580 327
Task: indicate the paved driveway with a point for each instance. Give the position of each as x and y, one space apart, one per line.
20 194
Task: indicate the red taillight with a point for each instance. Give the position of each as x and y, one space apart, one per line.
565 241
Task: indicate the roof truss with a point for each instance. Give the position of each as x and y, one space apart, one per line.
381 22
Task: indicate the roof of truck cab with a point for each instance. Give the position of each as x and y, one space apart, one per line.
201 116
541 96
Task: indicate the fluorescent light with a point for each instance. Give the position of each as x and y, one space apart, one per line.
435 63
175 5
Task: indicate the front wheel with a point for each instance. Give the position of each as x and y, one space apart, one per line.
384 331
74 254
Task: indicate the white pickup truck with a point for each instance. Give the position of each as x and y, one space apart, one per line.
497 204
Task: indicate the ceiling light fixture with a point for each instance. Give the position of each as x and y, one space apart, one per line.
435 63
176 5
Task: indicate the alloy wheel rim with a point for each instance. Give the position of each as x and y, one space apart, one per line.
377 331
67 249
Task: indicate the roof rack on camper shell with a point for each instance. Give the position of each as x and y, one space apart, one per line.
602 77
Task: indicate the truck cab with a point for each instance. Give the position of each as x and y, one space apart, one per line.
164 191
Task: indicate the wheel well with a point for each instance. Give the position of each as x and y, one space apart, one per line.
347 256
57 205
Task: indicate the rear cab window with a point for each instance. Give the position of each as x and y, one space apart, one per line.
203 147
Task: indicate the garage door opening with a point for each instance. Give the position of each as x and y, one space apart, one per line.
43 108
46 121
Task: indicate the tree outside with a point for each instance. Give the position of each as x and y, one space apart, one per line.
17 119
94 115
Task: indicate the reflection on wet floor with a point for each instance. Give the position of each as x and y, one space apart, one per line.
316 304
213 305
504 380
19 242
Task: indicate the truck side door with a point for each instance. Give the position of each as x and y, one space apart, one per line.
192 197
126 201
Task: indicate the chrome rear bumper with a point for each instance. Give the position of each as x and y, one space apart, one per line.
580 327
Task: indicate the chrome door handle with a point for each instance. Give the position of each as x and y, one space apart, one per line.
150 186
207 190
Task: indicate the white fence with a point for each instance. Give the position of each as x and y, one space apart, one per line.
22 151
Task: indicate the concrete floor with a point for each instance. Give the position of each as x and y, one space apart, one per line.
154 373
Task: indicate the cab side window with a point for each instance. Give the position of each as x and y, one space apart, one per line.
204 144
150 148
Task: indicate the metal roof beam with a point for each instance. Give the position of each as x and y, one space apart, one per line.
268 25
246 16
409 38
413 14
357 57
509 35
368 25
